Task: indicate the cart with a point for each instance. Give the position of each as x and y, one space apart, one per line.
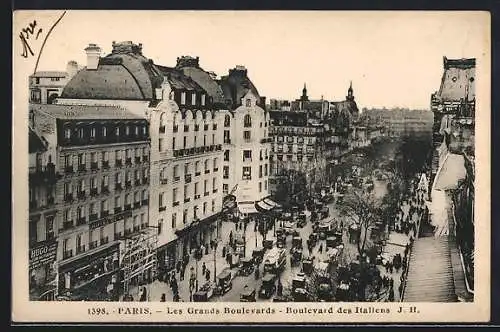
307 265
224 282
234 260
200 296
300 295
248 295
268 244
247 266
268 287
258 254
299 281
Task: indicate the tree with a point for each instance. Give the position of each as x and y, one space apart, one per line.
363 210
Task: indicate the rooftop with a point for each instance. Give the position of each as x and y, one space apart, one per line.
84 112
60 74
35 143
458 79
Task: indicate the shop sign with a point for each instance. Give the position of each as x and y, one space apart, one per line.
110 219
228 202
43 254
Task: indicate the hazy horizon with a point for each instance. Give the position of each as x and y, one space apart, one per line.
394 59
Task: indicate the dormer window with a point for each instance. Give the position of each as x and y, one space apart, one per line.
247 121
183 98
193 98
248 102
202 100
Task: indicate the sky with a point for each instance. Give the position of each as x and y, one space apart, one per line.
394 59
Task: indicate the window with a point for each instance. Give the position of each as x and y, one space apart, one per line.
174 220
213 205
118 178
144 152
67 133
265 170
247 121
214 185
49 227
216 164
183 98
160 144
184 142
213 138
196 189
226 155
225 188
80 133
227 121
136 130
137 197
173 143
204 140
195 141
195 212
246 135
160 226
186 192
193 98
81 185
227 138
260 171
260 186
206 166
186 168
186 128
205 187
160 200
247 173
68 162
248 103
247 155
202 100
117 202
265 185
225 172
260 155
176 172
81 159
205 208
184 216
105 205
197 167
144 195
174 195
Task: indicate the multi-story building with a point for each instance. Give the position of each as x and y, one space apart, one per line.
100 200
400 122
42 223
186 108
46 86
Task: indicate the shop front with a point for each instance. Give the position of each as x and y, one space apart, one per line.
92 276
199 232
167 257
42 283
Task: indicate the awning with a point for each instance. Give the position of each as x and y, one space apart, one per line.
195 224
451 171
262 206
247 208
270 202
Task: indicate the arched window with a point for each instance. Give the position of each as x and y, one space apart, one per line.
227 121
247 121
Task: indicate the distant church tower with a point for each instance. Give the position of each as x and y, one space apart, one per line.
304 96
350 95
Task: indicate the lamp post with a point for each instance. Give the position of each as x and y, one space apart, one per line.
216 244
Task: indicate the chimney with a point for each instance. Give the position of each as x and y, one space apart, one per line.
93 54
71 68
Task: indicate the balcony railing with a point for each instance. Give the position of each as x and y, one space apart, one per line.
187 178
127 207
175 203
93 192
163 181
67 224
137 160
81 168
104 213
93 245
145 159
80 249
207 171
137 182
196 127
176 128
81 221
68 169
196 196
105 189
128 161
206 193
187 199
162 208
104 240
118 163
68 198
93 217
94 166
227 141
197 173
176 178
145 202
128 184
105 164
81 194
118 209
205 127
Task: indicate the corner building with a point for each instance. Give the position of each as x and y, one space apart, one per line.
101 155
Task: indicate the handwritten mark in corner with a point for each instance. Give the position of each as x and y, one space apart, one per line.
25 35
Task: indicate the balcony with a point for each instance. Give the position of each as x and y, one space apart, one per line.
118 186
105 164
118 163
162 208
145 202
176 178
187 178
93 192
163 181
128 161
136 228
104 213
118 209
207 171
93 217
215 191
187 199
68 169
127 207
68 198
67 254
145 180
247 160
176 128
266 140
227 141
81 221
137 160
218 147
94 166
137 182
162 129
81 168
67 224
128 184
93 244
197 196
137 205
80 249
104 189
118 235
206 193
145 159
175 203
81 194
197 173
104 240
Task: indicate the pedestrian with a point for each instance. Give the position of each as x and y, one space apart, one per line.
143 296
320 249
203 268
163 298
176 297
391 294
207 275
224 251
178 266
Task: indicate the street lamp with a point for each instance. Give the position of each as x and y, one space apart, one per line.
216 244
